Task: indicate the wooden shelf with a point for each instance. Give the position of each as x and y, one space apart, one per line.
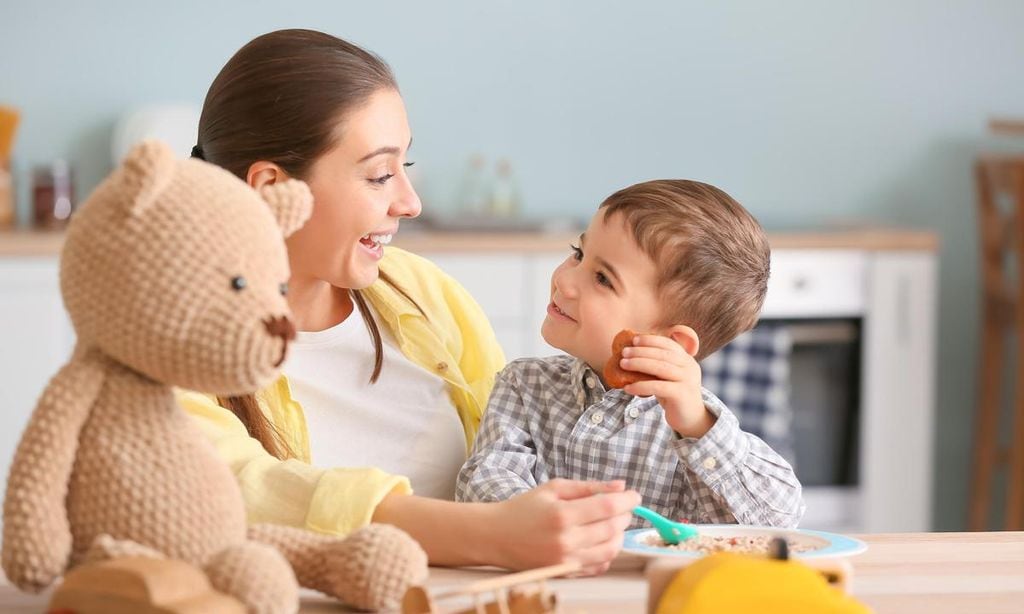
29 243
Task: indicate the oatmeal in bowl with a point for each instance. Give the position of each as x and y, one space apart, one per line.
802 543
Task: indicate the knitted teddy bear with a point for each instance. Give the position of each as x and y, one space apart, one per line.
174 273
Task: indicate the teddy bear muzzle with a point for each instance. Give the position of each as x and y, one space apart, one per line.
280 326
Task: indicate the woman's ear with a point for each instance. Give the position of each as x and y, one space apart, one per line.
686 337
264 173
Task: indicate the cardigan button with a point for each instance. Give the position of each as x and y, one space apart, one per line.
442 366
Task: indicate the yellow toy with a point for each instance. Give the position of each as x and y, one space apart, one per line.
725 582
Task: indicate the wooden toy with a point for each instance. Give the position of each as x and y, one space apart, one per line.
137 585
525 592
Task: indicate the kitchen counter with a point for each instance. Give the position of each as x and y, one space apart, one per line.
28 243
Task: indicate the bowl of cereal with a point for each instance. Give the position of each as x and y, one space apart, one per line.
802 543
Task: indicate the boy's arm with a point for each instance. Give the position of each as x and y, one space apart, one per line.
504 456
735 477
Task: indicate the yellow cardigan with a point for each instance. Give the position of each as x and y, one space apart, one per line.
454 340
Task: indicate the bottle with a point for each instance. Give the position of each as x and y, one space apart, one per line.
504 200
472 197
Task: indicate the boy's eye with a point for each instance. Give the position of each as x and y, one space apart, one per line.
603 280
577 253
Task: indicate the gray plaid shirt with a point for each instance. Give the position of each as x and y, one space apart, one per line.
552 418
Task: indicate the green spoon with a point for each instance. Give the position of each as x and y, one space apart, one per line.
670 531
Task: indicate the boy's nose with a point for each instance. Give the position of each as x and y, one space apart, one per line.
563 282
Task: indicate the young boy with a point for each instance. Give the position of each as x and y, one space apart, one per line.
685 262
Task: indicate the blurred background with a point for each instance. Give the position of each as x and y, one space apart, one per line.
816 116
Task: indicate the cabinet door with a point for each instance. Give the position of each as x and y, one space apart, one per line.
498 282
37 340
539 269
897 421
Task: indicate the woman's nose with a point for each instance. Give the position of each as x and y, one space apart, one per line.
406 202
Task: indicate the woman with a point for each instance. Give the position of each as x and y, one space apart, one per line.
298 103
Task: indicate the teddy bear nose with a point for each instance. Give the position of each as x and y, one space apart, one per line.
280 326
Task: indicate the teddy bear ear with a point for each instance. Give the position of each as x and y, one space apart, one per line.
147 170
290 201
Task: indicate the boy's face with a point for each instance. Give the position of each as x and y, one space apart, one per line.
605 285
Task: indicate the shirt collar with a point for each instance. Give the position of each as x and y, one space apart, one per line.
586 380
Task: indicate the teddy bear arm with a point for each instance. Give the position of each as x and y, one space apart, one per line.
370 568
36 532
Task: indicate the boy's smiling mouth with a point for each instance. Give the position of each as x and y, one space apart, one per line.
556 311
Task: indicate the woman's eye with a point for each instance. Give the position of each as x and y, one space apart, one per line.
238 283
283 289
382 179
577 253
603 279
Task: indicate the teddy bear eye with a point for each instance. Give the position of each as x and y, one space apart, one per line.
283 288
238 282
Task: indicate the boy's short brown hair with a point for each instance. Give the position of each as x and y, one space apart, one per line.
711 255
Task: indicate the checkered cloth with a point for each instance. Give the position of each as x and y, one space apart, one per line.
751 376
552 418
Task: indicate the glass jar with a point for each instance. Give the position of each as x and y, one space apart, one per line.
52 195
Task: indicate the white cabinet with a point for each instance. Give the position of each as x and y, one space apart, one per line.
36 338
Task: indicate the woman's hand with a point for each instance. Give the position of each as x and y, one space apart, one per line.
562 521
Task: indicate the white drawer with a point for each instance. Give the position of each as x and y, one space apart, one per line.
809 283
496 281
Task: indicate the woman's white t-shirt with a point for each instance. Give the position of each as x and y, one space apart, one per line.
404 424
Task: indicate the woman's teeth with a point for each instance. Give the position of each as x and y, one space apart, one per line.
377 239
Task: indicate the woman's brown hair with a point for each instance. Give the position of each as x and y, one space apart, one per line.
280 99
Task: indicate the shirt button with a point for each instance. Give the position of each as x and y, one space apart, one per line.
442 366
633 412
710 463
597 418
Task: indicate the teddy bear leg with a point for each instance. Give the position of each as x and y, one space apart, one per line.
369 569
104 547
257 575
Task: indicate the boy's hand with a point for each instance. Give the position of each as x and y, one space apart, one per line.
677 385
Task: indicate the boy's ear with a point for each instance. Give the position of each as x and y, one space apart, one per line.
686 337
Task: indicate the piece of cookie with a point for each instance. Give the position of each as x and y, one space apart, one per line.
614 375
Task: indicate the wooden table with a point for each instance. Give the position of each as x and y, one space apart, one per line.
936 573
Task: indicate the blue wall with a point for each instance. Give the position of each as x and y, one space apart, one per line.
809 113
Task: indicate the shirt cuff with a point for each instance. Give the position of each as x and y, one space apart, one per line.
718 453
345 499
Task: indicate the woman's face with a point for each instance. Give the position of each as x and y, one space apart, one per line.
360 191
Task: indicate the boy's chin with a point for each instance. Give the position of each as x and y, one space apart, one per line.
552 339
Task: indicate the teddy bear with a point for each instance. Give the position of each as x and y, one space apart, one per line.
174 274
